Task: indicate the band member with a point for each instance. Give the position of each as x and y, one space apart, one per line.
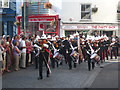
44 57
113 48
83 43
107 44
52 49
36 53
92 54
63 49
88 55
102 50
67 53
74 54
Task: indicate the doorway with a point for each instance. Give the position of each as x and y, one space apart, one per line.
108 33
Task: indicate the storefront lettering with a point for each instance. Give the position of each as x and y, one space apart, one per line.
82 27
102 27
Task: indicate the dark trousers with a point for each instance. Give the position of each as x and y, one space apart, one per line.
69 59
106 52
114 51
89 64
102 54
74 61
117 51
54 62
65 56
36 62
40 68
32 57
43 58
27 58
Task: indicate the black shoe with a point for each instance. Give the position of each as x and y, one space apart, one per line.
36 68
40 78
61 63
47 75
53 67
101 67
23 67
74 66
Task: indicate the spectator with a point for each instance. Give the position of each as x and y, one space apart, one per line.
3 51
1 59
23 53
16 52
28 52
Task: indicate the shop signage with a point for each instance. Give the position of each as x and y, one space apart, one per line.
41 26
40 19
87 27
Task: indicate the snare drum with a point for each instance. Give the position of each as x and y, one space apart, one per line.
74 54
58 56
95 57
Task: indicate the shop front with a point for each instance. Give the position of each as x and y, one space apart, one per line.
94 29
39 23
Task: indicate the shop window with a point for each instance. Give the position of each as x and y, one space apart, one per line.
85 11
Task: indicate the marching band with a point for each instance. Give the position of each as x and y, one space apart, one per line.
72 50
53 51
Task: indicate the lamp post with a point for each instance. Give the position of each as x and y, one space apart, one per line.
25 27
25 17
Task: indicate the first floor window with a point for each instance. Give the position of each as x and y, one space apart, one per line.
4 3
85 11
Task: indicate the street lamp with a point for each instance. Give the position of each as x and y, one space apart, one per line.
25 16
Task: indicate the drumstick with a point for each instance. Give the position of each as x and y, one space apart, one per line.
97 50
46 63
92 50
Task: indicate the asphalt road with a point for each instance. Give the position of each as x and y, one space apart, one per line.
107 78
62 77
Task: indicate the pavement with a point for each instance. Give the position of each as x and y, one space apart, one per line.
62 77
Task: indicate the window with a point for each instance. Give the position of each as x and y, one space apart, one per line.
4 3
38 7
85 11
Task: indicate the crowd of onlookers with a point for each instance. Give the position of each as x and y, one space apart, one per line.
16 52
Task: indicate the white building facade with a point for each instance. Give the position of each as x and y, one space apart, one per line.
90 16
